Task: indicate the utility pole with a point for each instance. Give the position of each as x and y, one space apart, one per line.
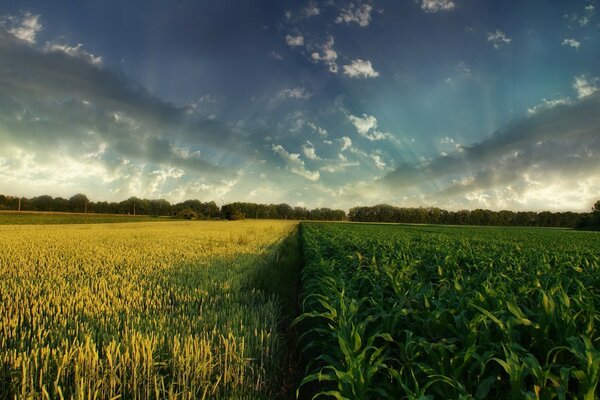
133 208
19 204
86 206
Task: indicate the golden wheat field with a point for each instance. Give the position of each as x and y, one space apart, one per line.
137 311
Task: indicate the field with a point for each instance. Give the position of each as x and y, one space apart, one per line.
403 312
178 310
50 218
199 310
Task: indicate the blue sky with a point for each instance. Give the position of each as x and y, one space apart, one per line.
448 103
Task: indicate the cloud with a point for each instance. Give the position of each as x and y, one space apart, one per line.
295 93
551 148
571 42
378 160
346 143
295 164
60 109
498 39
25 28
360 69
586 86
366 126
431 6
76 51
320 131
546 104
328 55
308 150
312 9
276 56
294 41
359 14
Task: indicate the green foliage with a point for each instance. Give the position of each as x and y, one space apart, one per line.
462 313
187 213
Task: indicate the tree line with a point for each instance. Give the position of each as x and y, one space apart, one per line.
195 209
434 215
191 209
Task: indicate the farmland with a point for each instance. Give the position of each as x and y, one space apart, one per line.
199 309
439 312
147 310
48 218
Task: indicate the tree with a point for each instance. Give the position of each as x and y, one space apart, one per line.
78 203
596 208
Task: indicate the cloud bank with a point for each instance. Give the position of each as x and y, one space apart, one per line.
520 164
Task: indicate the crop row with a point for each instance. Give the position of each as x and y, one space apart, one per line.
430 312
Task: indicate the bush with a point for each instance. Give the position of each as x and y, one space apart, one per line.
187 213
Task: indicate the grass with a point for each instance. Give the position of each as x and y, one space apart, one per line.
52 218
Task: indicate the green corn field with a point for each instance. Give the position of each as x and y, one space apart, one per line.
400 312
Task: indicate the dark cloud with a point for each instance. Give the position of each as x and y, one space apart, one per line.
51 100
561 140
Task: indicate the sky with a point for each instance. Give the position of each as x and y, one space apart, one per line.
457 104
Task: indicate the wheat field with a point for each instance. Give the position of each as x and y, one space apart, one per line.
139 311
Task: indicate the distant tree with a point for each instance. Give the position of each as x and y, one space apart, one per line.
43 203
232 211
210 210
596 208
78 203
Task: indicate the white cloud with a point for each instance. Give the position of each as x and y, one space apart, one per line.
161 176
586 86
378 160
571 42
276 56
589 11
295 93
359 14
317 129
309 151
328 55
312 9
363 124
498 39
546 104
294 41
366 126
431 6
346 143
25 29
76 51
295 164
360 69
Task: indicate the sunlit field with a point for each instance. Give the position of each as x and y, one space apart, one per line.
147 310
